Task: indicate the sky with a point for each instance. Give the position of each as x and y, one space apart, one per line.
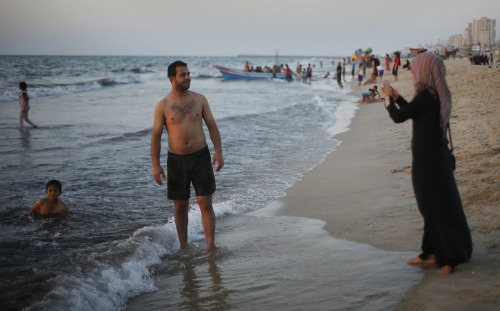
231 27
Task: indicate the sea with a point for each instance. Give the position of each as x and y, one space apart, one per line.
118 249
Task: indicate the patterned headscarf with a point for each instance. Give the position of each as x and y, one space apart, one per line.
430 72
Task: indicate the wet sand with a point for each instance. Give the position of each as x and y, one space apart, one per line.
269 262
363 190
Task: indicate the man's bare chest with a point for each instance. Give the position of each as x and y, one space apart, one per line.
184 112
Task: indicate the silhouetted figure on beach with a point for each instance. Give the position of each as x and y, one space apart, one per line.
395 66
339 75
309 73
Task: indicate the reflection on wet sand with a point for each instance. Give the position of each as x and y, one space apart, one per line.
196 294
25 139
187 280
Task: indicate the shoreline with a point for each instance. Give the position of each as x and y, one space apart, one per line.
363 189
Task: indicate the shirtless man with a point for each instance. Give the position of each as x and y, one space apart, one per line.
51 205
181 113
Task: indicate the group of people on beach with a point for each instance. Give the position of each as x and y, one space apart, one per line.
378 70
446 240
376 76
304 74
482 59
369 97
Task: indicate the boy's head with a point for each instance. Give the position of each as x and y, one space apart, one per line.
53 182
53 190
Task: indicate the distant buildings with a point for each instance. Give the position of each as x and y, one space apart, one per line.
456 41
480 36
484 33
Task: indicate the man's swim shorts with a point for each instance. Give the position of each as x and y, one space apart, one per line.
184 169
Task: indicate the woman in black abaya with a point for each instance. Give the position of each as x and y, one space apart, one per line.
446 241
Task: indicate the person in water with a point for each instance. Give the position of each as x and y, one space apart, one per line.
181 113
447 241
51 205
24 106
339 75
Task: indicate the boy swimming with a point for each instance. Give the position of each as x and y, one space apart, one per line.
51 205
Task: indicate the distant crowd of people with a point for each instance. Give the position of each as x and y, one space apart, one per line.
378 70
483 59
302 74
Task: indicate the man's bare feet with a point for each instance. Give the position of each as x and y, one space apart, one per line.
211 249
431 259
445 270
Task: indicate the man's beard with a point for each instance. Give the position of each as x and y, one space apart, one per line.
184 86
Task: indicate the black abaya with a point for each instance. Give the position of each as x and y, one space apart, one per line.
446 233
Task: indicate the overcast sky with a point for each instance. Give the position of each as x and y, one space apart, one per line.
231 27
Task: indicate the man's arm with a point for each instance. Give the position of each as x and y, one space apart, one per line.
158 123
213 130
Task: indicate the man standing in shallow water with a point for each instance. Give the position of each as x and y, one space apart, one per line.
181 112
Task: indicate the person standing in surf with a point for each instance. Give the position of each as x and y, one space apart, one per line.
181 113
24 106
339 75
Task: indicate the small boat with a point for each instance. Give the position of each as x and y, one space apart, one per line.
232 74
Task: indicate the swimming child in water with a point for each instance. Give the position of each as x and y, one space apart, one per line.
51 205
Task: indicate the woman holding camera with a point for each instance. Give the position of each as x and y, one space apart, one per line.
446 241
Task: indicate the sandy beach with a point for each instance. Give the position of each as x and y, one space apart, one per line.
363 190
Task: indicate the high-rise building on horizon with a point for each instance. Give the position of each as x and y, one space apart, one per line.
456 41
468 35
483 34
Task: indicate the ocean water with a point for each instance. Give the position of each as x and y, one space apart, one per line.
118 247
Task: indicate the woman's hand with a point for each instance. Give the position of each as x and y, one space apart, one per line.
387 90
395 94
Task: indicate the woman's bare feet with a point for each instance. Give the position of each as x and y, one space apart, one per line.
445 270
431 259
